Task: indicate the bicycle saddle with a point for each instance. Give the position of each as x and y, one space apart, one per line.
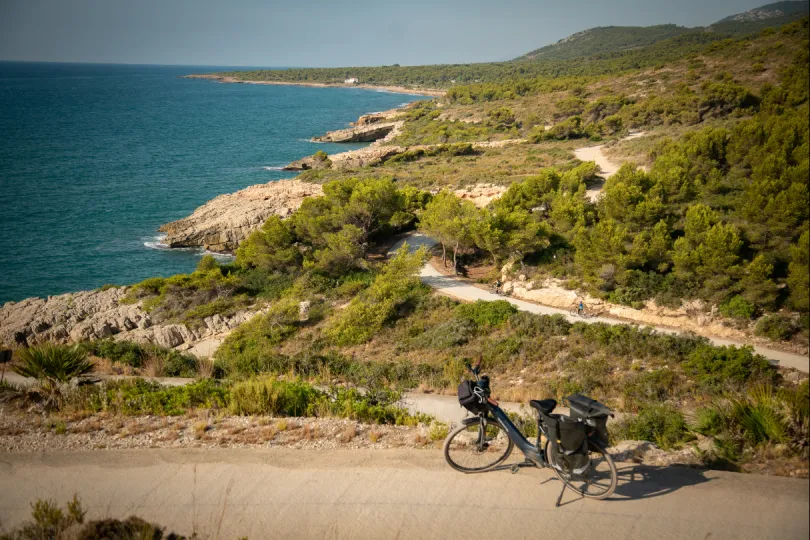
545 406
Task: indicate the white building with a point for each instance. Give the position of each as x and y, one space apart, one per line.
351 80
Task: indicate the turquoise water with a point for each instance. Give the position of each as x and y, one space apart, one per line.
94 158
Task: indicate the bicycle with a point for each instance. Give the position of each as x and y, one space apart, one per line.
575 446
577 311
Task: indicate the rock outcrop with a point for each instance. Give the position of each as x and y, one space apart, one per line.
89 315
371 155
223 222
308 163
481 194
361 133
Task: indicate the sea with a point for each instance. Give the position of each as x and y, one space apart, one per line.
95 157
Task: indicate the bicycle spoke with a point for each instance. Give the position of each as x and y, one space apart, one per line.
466 450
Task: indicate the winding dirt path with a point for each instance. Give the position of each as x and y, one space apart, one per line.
608 168
462 290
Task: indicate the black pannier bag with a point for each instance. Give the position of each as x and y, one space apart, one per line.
468 398
572 434
573 445
584 408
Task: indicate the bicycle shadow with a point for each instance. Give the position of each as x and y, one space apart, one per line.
637 481
648 481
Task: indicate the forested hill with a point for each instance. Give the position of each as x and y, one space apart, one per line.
770 15
615 39
595 52
602 40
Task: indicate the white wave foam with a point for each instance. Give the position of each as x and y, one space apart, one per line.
225 257
156 242
268 168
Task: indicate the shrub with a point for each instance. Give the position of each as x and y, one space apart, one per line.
250 349
715 367
137 396
175 363
393 288
530 325
270 396
738 307
51 521
125 352
760 415
448 334
486 314
438 431
775 327
52 366
651 386
662 424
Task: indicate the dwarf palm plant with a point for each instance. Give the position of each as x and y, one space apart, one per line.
52 366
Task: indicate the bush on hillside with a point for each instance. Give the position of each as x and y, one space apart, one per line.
486 314
661 424
775 327
718 367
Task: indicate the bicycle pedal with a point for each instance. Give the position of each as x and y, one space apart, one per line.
515 468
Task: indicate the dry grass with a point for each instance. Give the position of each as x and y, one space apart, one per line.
374 436
205 368
501 166
281 425
200 427
348 433
153 366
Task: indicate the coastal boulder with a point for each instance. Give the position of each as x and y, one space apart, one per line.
360 133
221 223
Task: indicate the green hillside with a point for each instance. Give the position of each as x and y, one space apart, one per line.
601 40
768 16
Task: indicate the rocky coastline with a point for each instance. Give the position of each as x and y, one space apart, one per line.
221 223
100 314
387 88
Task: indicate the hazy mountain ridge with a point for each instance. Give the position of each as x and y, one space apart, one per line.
769 11
613 39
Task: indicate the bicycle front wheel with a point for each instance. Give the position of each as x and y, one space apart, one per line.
601 479
474 448
573 312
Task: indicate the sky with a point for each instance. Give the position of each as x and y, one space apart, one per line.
320 33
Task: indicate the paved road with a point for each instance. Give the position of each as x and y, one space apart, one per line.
462 290
382 494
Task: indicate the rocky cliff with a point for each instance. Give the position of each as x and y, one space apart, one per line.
88 315
359 133
223 222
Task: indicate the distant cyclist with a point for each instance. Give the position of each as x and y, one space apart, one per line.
496 287
578 309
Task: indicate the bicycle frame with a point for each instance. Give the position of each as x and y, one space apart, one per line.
530 450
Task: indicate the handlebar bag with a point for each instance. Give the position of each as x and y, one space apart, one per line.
469 399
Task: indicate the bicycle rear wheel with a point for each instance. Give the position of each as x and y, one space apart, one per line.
573 312
601 479
475 449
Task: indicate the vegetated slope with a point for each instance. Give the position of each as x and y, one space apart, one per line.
767 16
615 39
712 113
607 39
443 76
594 52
